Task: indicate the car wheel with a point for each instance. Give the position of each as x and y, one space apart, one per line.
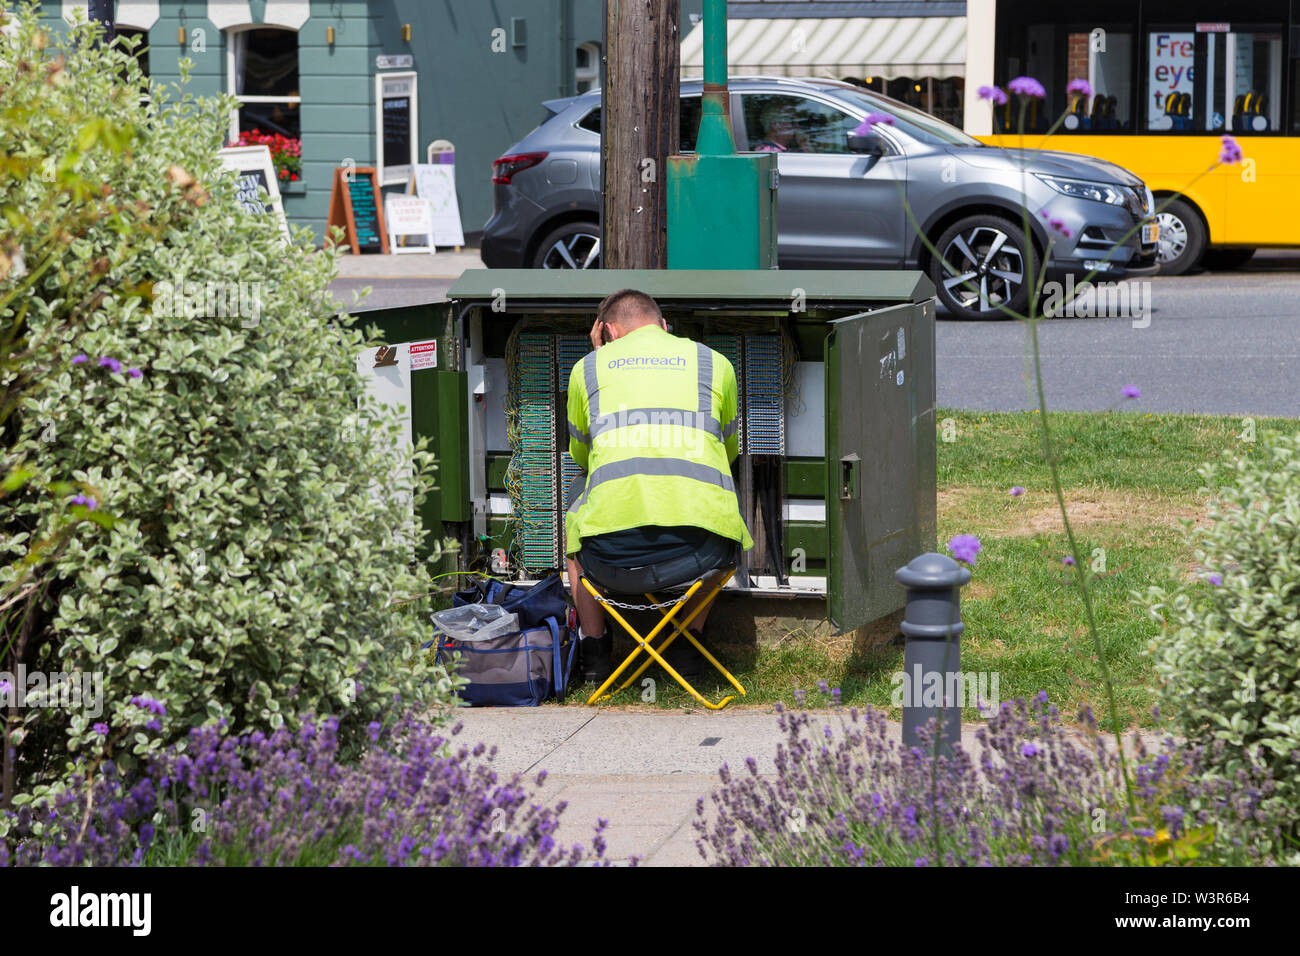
575 245
986 268
1182 238
1227 259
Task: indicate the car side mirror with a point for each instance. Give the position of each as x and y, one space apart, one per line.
870 144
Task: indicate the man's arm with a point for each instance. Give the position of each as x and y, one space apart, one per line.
730 402
579 426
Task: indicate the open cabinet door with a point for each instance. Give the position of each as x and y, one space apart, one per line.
880 458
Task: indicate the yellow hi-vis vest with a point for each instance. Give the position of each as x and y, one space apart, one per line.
652 421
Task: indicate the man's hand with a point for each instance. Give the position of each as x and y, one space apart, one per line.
598 334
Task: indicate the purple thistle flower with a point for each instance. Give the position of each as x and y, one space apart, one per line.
81 358
1215 579
1230 151
965 547
1068 560
994 94
100 728
871 119
1017 491
1080 86
1131 391
1027 86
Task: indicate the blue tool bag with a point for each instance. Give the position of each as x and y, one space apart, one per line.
522 667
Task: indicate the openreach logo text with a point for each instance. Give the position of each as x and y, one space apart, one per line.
1101 300
920 688
179 298
642 361
77 909
74 690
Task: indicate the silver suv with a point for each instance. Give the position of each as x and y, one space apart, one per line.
841 200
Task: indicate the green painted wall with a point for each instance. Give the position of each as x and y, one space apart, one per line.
481 99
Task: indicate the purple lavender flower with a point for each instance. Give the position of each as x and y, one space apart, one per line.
1027 86
993 93
110 363
1230 151
100 728
1068 560
1131 391
1029 750
149 704
1080 86
81 358
1017 491
965 547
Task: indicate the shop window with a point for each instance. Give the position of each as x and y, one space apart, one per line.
136 42
586 71
262 69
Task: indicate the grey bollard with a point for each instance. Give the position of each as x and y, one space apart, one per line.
932 627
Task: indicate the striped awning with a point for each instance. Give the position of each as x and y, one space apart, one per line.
887 47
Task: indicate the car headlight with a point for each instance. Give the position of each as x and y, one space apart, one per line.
1085 189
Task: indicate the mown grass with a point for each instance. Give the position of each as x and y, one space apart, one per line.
1130 481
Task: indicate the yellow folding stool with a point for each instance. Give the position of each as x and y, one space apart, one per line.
656 654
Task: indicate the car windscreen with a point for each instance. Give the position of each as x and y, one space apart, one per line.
915 123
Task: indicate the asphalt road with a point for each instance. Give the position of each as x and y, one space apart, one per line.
1218 343
1223 343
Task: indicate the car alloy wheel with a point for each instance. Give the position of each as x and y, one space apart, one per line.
985 270
580 250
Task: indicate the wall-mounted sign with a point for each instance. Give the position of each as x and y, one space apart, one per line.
436 182
256 188
355 207
396 126
1213 27
399 61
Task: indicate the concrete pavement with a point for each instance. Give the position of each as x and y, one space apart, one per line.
643 770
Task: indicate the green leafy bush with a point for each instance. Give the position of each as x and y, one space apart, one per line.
1228 654
259 566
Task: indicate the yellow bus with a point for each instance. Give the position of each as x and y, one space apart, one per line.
1169 78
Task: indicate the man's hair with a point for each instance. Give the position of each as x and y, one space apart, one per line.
629 308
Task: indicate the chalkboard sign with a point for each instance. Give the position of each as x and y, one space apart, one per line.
256 188
396 126
355 206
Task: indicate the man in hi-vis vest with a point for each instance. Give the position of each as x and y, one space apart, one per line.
652 424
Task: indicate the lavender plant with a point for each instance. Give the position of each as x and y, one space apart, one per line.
1034 793
416 798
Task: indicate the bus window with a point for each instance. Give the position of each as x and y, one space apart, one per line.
1213 78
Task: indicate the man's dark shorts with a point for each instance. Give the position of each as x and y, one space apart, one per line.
650 557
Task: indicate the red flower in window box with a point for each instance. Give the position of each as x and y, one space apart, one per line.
286 152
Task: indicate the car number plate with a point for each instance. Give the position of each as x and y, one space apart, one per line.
1150 233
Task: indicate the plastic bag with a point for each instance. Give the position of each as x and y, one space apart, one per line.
476 622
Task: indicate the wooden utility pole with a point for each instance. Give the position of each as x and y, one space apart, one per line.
638 129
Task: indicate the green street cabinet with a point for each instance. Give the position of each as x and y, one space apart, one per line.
836 369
